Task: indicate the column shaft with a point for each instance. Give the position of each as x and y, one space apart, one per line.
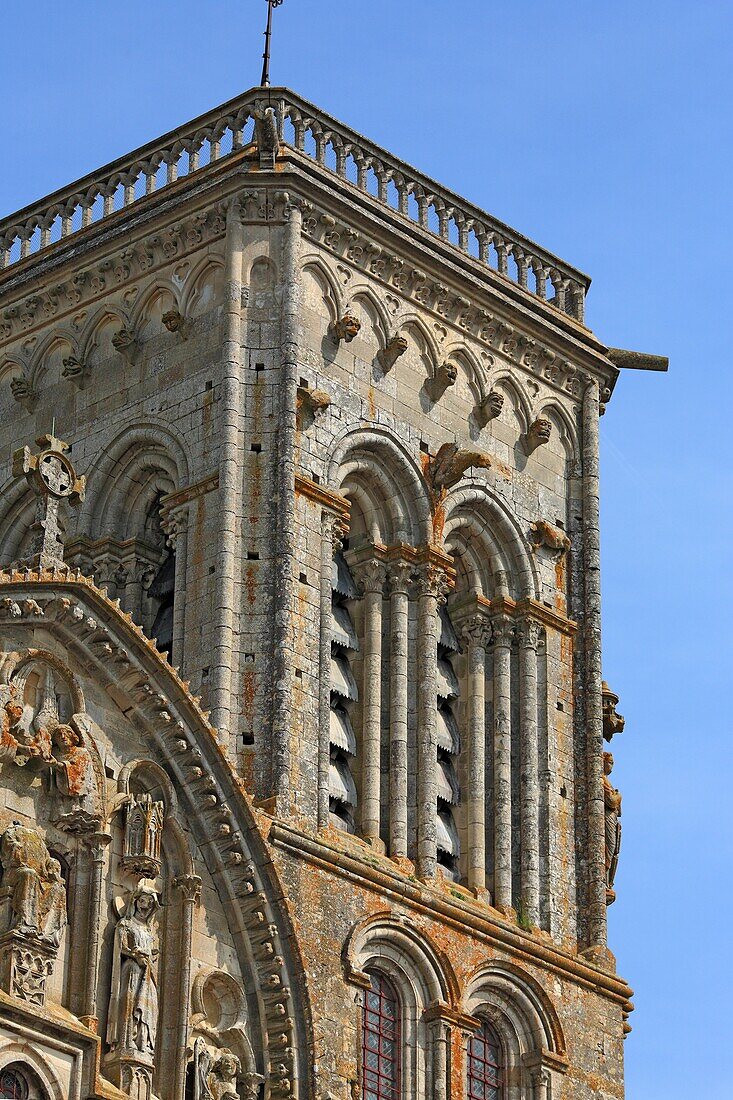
596 850
399 608
474 634
96 844
529 633
371 577
431 586
502 637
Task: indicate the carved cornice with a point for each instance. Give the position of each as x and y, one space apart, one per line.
320 494
86 285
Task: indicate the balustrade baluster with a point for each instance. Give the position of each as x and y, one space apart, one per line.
25 244
540 274
382 181
522 266
66 222
150 180
87 213
320 141
422 207
484 253
340 151
462 232
46 233
194 154
443 220
215 150
129 192
502 255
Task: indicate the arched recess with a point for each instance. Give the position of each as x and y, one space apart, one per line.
422 348
321 291
471 382
17 514
516 413
376 472
371 312
563 445
43 1081
517 1006
421 978
489 543
146 316
218 815
95 342
46 364
203 286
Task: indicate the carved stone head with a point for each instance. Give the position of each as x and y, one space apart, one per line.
539 433
346 329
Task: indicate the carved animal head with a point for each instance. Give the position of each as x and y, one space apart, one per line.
346 328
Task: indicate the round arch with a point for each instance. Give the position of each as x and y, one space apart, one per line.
475 510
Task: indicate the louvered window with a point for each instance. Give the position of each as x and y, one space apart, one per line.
344 693
380 1041
448 748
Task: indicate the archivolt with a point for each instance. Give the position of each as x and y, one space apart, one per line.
373 468
389 944
477 521
521 1001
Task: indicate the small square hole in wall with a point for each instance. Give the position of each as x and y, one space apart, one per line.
212 569
559 523
109 772
259 366
424 447
303 382
316 479
299 673
205 673
209 384
256 447
248 737
303 578
249 658
253 555
563 791
559 705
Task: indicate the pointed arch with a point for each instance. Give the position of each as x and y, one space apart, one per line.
193 289
25 1056
459 352
567 429
502 380
414 322
159 286
54 339
324 278
363 293
96 322
16 518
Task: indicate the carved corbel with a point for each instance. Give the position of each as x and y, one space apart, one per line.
445 376
538 435
346 329
74 371
311 404
390 353
613 722
552 538
23 392
174 321
489 408
127 344
447 467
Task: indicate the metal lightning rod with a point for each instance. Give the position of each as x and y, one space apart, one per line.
265 80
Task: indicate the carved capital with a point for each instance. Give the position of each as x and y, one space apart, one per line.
400 575
433 581
502 631
529 632
189 886
337 529
476 631
371 575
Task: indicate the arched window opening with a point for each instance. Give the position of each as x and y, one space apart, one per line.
344 693
381 1051
162 582
485 1065
12 1085
448 750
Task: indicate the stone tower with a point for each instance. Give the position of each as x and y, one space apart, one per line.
302 782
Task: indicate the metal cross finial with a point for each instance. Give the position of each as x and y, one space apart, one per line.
53 478
265 79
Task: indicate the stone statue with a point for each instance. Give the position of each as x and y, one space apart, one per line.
32 886
73 780
11 733
132 1023
215 1075
612 804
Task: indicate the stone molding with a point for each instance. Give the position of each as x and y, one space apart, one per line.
83 618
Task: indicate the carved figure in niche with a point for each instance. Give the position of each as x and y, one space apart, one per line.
447 467
73 779
12 733
346 329
215 1075
612 805
143 828
132 1023
32 890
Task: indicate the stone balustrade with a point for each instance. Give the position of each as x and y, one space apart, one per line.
226 130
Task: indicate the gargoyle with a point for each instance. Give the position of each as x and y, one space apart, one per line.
447 467
444 377
23 392
74 370
344 329
390 353
311 403
545 534
612 721
126 343
489 408
539 433
174 321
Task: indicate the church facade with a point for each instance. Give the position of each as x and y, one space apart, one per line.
303 790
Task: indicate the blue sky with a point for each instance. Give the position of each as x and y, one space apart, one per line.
603 130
